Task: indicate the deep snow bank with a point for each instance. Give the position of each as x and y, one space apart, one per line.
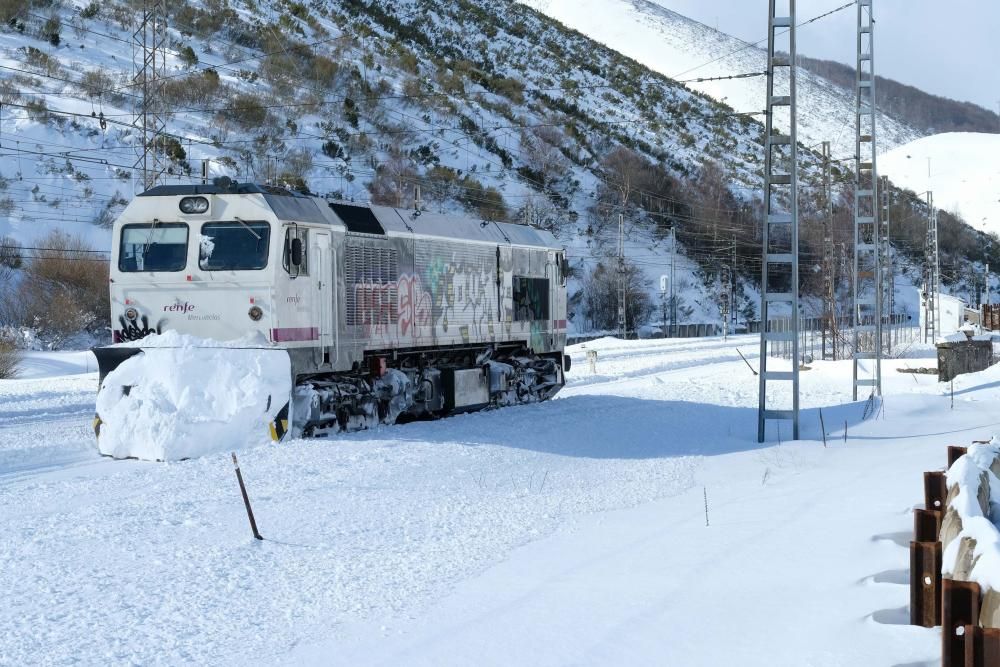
189 397
969 535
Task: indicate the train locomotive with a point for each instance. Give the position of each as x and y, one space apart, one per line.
386 314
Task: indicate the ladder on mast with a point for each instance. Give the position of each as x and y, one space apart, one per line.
867 266
932 278
780 242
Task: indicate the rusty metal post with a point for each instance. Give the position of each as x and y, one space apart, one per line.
954 453
935 490
925 584
927 525
959 608
982 646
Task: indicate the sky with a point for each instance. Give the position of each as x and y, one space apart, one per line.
948 48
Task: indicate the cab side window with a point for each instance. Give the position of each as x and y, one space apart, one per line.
303 267
531 299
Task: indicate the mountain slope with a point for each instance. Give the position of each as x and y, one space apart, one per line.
684 49
302 96
962 169
487 106
927 113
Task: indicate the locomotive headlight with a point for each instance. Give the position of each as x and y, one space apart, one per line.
194 205
131 314
256 313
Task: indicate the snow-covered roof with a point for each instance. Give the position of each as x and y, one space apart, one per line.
403 221
364 219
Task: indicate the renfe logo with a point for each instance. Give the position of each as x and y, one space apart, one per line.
179 308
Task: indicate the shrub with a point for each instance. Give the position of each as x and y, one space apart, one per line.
512 89
91 10
41 61
197 88
9 92
9 360
51 29
324 71
487 202
351 112
297 164
245 111
11 10
96 83
187 56
333 150
65 288
37 111
10 254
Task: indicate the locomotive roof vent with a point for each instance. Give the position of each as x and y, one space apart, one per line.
359 219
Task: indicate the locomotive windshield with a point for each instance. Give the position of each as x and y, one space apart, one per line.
234 246
160 246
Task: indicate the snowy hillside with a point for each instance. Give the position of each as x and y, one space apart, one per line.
375 113
490 108
365 101
962 169
684 49
567 532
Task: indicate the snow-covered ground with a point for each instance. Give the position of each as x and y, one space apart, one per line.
962 169
570 532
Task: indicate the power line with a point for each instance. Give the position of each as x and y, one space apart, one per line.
761 41
706 79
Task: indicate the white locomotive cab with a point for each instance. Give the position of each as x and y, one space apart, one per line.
223 272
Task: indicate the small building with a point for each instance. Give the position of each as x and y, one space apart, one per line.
951 315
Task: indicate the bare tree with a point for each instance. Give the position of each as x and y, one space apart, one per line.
600 297
393 182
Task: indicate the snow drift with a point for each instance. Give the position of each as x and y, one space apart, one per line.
969 534
188 397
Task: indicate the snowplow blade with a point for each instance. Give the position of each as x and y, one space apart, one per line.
165 403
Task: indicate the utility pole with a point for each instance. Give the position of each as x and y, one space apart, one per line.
621 277
664 280
931 296
987 283
888 274
829 282
148 71
732 292
780 238
673 288
867 311
726 286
